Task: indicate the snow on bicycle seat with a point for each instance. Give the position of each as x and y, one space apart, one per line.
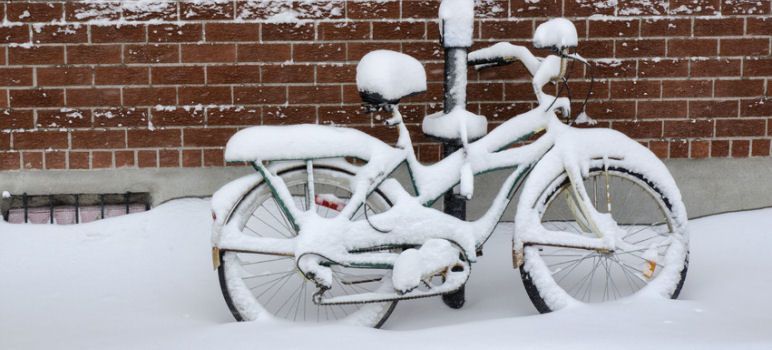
557 32
303 141
384 77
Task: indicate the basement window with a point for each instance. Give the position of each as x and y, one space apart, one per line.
65 209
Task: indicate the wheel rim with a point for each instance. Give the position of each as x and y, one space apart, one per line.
273 281
592 276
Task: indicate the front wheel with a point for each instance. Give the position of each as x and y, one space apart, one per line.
653 254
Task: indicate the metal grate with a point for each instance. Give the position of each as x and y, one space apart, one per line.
67 209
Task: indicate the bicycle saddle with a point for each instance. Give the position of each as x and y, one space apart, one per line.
384 77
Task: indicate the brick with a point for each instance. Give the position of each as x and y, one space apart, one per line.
758 25
372 10
663 68
679 149
124 33
124 159
506 29
744 47
94 54
122 75
544 8
613 28
36 55
688 128
120 117
78 160
344 31
162 11
336 115
64 76
757 66
640 48
319 52
427 9
719 148
34 11
642 7
15 76
605 110
598 48
760 148
183 116
264 52
485 91
83 11
175 33
177 75
191 11
712 109
635 89
288 74
16 119
715 67
93 97
233 74
209 53
719 27
233 116
740 127
147 159
314 94
666 27
699 149
63 118
149 96
55 160
687 88
335 74
260 95
745 7
614 69
49 34
422 50
168 158
91 139
153 138
232 32
213 157
101 160
740 148
191 158
36 98
205 95
355 51
32 160
289 115
694 7
399 30
662 109
743 87
287 31
209 137
40 140
759 107
692 47
14 34
10 160
639 129
151 54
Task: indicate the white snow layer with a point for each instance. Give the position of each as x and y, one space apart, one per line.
390 74
457 22
145 281
453 124
557 32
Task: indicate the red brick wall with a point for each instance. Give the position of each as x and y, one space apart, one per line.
108 84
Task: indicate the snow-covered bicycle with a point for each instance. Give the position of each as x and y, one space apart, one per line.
323 233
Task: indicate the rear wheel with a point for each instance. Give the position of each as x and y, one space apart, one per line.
654 249
257 284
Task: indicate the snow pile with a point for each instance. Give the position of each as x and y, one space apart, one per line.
145 281
457 22
390 74
557 32
455 123
413 265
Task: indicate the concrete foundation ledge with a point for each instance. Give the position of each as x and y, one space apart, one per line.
709 186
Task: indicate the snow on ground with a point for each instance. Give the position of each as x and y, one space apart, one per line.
145 281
